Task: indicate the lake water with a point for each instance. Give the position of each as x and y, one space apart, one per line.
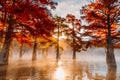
88 66
51 70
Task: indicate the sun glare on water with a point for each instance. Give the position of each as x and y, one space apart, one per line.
59 73
59 63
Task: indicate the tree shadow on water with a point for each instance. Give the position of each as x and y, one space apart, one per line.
111 74
3 72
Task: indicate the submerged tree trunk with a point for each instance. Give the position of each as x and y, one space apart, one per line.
111 74
21 51
110 57
34 54
44 53
74 48
58 51
58 54
4 54
10 52
74 51
1 38
74 54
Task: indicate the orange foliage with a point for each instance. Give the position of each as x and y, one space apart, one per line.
32 16
23 38
96 15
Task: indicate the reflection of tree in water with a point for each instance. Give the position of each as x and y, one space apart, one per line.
111 74
73 71
24 73
3 72
81 72
44 73
77 71
33 73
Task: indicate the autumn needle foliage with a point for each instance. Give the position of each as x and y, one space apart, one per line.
96 16
33 15
74 33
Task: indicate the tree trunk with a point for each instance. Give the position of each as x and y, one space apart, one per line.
74 51
74 48
111 74
110 57
1 38
44 53
4 54
10 53
58 54
21 50
74 55
34 54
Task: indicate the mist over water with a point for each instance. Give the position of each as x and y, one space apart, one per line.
90 64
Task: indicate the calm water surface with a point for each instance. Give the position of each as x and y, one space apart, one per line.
51 70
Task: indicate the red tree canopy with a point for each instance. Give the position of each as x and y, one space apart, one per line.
29 17
96 14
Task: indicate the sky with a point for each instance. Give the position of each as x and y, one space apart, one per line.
65 7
